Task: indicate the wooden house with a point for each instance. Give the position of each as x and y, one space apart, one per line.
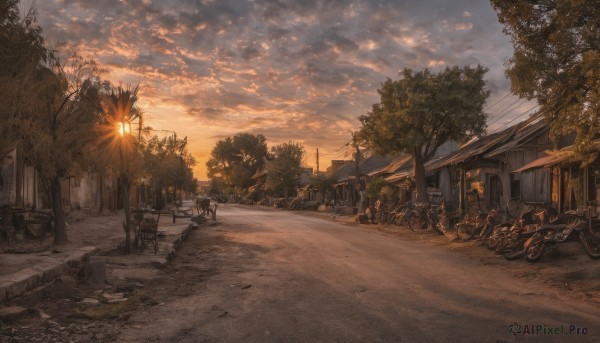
571 184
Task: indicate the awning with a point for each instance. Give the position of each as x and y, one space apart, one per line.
565 156
398 177
545 161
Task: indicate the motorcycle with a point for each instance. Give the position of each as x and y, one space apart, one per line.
549 236
511 242
471 225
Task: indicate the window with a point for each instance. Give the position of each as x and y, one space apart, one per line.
515 189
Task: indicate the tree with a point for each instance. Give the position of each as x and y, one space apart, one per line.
423 110
557 62
49 107
323 183
237 159
284 167
374 188
55 133
168 163
22 54
120 110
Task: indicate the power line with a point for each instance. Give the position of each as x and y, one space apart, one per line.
515 118
534 107
494 104
501 110
510 110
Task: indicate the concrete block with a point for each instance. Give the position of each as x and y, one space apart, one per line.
22 281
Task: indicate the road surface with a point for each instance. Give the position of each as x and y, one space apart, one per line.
265 275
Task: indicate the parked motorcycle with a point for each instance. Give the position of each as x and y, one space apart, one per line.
549 236
511 242
471 225
507 238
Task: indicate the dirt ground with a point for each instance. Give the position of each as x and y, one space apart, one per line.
70 311
568 268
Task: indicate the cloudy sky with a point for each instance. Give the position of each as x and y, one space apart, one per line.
292 70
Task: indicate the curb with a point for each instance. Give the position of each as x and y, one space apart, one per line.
177 243
27 279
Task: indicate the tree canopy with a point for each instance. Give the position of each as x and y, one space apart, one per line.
237 158
423 110
169 163
284 167
22 55
557 61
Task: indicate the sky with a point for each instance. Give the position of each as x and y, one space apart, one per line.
301 71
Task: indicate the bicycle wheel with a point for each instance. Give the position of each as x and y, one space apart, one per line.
465 230
432 223
390 218
404 217
417 221
399 219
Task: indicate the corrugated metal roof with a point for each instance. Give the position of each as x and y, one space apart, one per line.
504 140
554 157
395 165
398 177
522 135
348 171
541 162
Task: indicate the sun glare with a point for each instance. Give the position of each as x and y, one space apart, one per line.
124 128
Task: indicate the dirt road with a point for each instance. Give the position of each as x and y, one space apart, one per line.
267 275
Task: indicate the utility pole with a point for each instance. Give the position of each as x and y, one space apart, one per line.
317 161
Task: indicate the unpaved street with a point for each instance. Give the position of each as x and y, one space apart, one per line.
267 275
263 275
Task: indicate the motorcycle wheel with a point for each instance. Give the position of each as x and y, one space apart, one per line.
514 254
591 244
465 230
535 251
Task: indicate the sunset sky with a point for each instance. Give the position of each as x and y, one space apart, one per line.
292 70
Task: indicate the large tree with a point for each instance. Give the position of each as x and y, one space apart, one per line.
54 133
49 107
284 167
237 158
423 110
557 61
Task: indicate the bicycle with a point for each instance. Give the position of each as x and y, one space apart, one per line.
421 217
